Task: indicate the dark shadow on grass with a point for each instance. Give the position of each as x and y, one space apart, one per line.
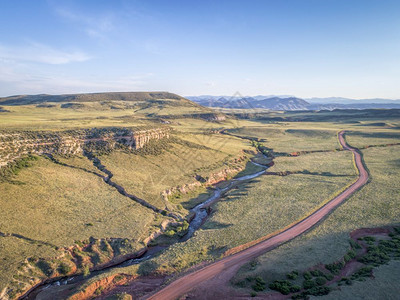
56 161
192 202
307 172
395 162
383 135
32 241
215 225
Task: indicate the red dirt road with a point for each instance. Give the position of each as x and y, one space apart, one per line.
226 267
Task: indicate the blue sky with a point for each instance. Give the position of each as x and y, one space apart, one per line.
305 48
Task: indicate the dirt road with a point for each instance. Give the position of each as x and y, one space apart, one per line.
228 266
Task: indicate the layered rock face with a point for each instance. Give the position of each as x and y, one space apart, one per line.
16 144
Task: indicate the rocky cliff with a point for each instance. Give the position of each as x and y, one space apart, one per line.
16 144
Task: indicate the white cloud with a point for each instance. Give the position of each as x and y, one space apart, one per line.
35 52
94 26
21 80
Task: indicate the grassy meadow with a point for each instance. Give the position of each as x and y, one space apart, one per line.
48 206
51 206
55 116
374 205
183 159
383 286
257 208
270 202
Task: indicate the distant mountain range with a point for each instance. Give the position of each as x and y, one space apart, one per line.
292 103
271 102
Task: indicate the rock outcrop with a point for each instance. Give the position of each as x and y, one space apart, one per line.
14 145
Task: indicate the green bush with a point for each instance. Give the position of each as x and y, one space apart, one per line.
295 288
319 291
241 283
307 275
367 239
351 253
64 269
283 286
316 273
259 285
320 280
13 168
303 295
364 272
98 291
308 284
375 256
292 275
45 267
329 276
170 233
85 271
335 268
354 245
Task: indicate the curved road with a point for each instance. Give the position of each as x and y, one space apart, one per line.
231 263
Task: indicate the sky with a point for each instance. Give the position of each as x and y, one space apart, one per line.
306 48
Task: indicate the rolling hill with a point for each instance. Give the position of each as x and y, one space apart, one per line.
91 97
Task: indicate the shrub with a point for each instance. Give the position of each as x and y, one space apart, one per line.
45 267
319 291
292 275
253 294
302 295
354 244
320 280
64 269
329 276
295 288
259 285
282 286
308 284
170 232
368 239
13 168
375 257
316 273
253 264
351 253
241 283
98 291
334 268
85 271
307 275
364 272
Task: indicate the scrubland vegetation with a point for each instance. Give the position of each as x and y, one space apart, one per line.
373 206
54 203
185 164
59 205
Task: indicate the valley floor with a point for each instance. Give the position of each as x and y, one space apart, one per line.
69 221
